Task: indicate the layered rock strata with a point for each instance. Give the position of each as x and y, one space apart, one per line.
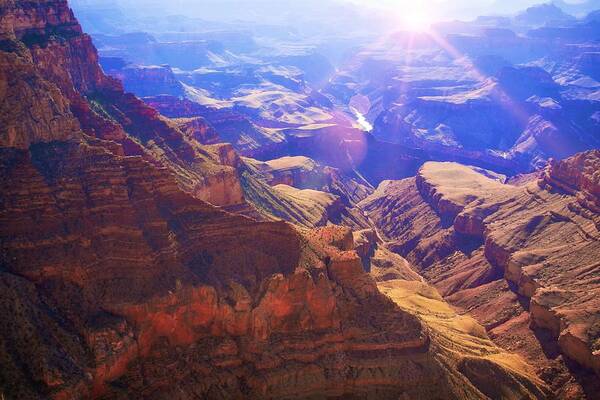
44 38
518 258
301 191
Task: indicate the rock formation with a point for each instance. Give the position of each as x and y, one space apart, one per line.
51 38
249 139
301 191
199 129
521 259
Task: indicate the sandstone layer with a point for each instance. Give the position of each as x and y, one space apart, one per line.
522 259
47 35
302 191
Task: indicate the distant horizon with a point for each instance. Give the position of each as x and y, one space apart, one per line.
432 11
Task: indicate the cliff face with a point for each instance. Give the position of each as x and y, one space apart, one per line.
47 34
119 285
489 246
300 190
33 110
134 269
578 176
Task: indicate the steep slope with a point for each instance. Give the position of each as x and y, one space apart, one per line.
180 278
237 302
301 191
511 256
48 34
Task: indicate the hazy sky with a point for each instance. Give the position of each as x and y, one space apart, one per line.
449 9
438 7
416 13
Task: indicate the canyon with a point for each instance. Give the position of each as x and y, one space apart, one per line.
179 220
514 256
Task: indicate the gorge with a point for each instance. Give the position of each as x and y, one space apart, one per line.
230 210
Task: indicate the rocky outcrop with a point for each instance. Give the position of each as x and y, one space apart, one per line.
382 264
303 207
199 129
578 176
305 173
301 172
249 139
48 35
449 188
130 283
301 191
473 236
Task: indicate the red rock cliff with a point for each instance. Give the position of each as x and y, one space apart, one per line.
47 33
490 247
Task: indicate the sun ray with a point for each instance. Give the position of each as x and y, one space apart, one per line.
499 95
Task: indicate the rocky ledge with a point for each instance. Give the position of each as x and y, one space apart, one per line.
465 229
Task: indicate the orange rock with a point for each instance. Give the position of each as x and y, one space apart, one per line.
474 237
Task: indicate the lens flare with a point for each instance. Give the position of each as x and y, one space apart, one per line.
417 22
415 18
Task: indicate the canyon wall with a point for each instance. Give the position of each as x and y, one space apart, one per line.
520 258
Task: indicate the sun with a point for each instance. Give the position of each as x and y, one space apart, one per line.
416 18
418 22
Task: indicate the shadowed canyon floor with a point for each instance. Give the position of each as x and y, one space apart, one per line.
143 257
